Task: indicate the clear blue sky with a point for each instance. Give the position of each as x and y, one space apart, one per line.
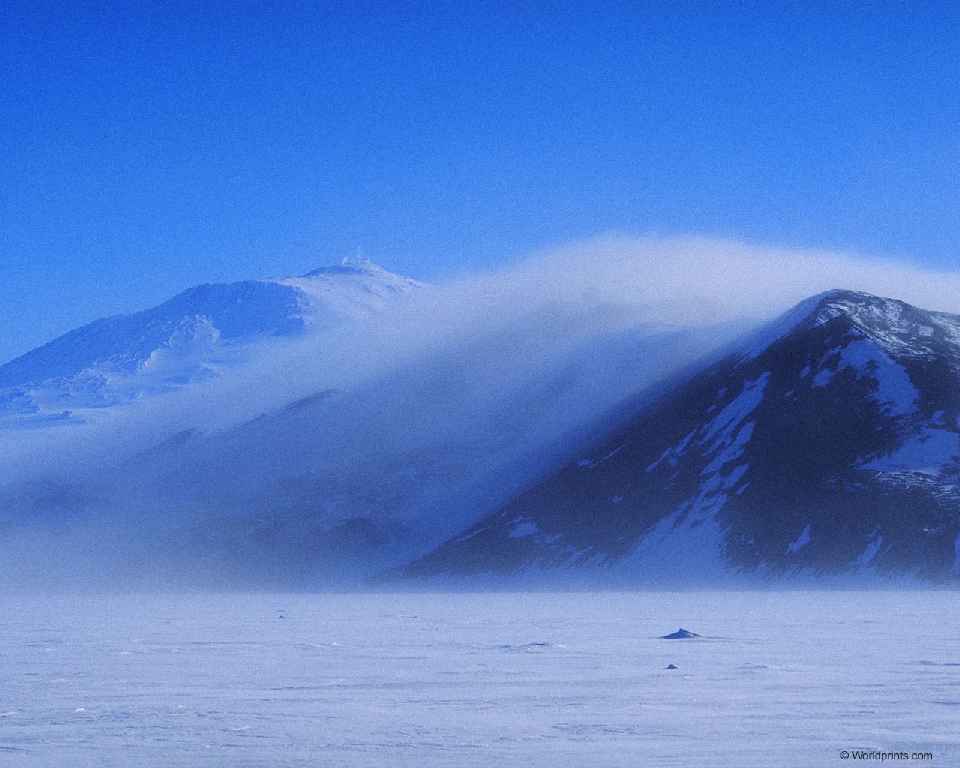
145 148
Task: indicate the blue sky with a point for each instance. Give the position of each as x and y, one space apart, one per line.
151 147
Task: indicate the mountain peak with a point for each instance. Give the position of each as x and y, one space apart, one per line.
349 265
893 323
823 307
856 304
898 327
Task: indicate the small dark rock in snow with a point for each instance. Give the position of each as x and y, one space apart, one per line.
680 634
672 666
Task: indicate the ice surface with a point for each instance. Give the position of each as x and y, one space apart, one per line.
721 427
823 377
894 387
871 551
780 678
893 384
731 452
926 452
734 477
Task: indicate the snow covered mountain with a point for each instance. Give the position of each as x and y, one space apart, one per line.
191 337
827 443
219 441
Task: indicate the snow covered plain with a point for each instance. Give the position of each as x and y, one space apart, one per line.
572 679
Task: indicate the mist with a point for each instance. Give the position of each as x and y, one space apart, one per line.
326 459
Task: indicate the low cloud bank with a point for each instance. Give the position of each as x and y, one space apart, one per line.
414 421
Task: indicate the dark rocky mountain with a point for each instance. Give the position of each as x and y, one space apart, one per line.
828 443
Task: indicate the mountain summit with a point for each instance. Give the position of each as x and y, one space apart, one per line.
349 265
827 443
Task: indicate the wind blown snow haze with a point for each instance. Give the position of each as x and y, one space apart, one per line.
397 427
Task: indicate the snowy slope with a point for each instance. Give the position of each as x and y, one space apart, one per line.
193 336
828 443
